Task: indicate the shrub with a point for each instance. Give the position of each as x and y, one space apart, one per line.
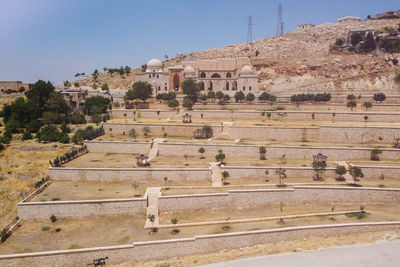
379 97
239 96
45 228
77 118
26 136
173 103
187 103
250 97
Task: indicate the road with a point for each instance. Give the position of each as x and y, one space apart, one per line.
382 254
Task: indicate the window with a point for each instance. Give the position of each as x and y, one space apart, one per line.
202 86
244 88
154 75
227 86
149 75
234 86
202 75
228 75
215 75
211 86
249 88
159 88
157 75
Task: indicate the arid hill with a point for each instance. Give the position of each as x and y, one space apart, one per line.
301 61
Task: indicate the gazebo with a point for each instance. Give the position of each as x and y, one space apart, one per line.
397 142
187 118
142 161
319 158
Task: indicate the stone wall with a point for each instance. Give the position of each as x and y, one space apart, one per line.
130 174
164 249
257 115
290 106
118 147
157 129
79 209
299 194
274 151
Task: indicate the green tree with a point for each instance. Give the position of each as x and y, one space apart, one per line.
165 182
67 83
187 103
104 87
250 97
132 133
191 89
239 96
140 90
219 95
207 130
173 103
340 170
53 220
201 151
211 94
369 44
351 104
367 105
40 91
266 172
135 186
220 156
146 131
356 173
262 151
76 84
96 105
225 176
379 97
339 41
319 167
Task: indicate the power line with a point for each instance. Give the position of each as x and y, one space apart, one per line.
280 24
249 29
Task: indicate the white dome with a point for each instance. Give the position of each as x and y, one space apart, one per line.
246 70
189 69
160 70
154 64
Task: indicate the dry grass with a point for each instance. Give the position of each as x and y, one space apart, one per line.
21 165
104 160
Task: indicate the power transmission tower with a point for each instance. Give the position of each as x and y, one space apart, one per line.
279 26
249 29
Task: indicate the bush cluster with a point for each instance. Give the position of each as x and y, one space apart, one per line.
88 133
166 96
68 156
264 96
320 97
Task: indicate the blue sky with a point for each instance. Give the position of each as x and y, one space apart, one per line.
54 39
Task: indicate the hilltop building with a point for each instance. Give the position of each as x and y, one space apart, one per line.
348 19
13 86
226 74
305 26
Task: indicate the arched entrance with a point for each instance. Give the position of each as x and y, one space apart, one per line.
210 87
176 82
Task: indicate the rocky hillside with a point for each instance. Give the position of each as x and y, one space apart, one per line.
301 61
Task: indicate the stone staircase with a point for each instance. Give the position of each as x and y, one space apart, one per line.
153 153
225 134
152 194
216 176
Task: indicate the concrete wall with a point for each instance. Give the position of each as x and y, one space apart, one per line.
130 174
299 194
118 147
79 209
164 249
257 115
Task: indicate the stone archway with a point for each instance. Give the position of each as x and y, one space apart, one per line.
176 82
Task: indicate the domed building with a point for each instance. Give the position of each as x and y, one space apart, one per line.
226 74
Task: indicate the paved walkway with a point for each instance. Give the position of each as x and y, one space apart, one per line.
153 153
152 206
382 253
216 175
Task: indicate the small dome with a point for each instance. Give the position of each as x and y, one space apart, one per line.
189 69
154 64
246 70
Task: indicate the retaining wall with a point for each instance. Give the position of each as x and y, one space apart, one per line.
333 134
164 249
157 129
118 147
79 209
299 194
130 174
257 115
